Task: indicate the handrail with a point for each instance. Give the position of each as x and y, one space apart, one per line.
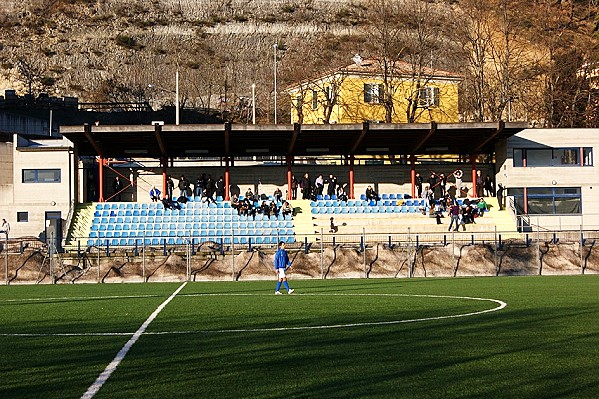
67 224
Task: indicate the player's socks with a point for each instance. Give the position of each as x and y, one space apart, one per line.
286 285
278 286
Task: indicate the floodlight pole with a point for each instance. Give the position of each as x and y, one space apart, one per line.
177 97
275 47
6 256
253 103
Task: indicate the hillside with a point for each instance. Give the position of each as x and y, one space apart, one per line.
129 50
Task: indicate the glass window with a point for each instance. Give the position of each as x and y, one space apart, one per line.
553 156
566 156
518 157
373 93
554 200
538 157
587 154
22 216
314 99
41 175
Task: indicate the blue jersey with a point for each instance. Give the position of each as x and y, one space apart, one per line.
281 259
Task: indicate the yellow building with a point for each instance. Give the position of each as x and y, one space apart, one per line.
374 90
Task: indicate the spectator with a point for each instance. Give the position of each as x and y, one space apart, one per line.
265 209
458 182
273 209
443 184
278 194
155 194
341 195
235 202
170 187
334 228
332 187
306 186
481 207
207 196
168 204
117 186
454 213
183 186
249 194
198 187
371 195
419 182
286 209
5 228
220 187
294 185
319 185
500 196
427 196
489 192
480 184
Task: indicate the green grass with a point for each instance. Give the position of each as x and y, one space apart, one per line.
544 344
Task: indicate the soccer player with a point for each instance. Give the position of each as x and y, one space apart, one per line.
282 263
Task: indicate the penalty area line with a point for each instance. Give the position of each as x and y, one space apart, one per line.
103 377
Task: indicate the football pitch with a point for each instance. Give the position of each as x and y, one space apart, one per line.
496 337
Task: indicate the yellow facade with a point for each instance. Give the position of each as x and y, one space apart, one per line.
346 93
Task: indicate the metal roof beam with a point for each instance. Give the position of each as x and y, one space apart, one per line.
87 131
158 135
296 131
427 136
358 140
227 139
492 136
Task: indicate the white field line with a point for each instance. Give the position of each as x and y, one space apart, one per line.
77 298
500 306
103 377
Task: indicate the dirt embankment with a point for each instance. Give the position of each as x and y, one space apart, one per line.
333 262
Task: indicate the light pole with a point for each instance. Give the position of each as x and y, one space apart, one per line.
253 104
176 92
275 47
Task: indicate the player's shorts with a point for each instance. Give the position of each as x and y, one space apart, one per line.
281 272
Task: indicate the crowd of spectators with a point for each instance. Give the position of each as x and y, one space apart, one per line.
252 205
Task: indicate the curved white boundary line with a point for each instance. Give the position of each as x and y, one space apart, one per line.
95 387
501 305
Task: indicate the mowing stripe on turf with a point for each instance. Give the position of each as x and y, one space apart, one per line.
500 306
95 387
78 298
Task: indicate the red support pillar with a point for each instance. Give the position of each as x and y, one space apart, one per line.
289 178
525 193
227 180
351 177
101 179
473 162
413 175
163 162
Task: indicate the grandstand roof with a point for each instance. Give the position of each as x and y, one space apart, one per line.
232 140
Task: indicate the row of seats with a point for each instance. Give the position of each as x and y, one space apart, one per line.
192 233
155 241
364 209
194 226
364 203
188 214
157 205
190 219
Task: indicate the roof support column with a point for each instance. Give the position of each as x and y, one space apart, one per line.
474 188
289 159
101 179
351 177
413 174
163 164
227 180
525 193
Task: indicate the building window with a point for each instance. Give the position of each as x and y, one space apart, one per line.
553 157
22 216
373 93
428 97
41 175
547 200
314 99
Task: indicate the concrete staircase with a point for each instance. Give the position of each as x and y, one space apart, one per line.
302 220
83 217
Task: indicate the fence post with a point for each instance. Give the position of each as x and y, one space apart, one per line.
107 248
409 253
233 254
540 264
581 251
249 244
495 253
143 259
364 250
98 264
454 263
306 245
6 257
321 253
163 246
390 245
